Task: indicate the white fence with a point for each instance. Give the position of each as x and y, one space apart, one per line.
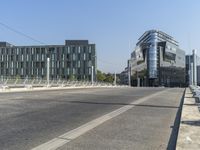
196 94
31 83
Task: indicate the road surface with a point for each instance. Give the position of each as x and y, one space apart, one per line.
30 119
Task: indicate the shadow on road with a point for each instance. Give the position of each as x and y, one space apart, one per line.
140 105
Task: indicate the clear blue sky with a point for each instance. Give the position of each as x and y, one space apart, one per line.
110 24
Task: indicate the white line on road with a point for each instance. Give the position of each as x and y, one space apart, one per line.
73 134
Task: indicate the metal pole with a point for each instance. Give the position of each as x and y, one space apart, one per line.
129 73
194 68
138 81
92 76
115 81
191 74
189 71
48 71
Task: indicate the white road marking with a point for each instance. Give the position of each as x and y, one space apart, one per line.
73 134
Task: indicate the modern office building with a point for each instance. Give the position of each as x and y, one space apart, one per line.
74 60
157 60
125 75
189 61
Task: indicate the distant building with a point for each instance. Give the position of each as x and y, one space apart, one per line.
189 60
74 60
157 61
124 77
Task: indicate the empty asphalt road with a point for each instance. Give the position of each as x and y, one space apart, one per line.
30 119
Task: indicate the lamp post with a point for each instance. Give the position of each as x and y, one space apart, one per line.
129 73
194 68
92 75
48 71
115 79
92 69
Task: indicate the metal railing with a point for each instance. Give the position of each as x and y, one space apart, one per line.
196 94
32 83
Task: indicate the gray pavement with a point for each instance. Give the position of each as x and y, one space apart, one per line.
30 119
147 126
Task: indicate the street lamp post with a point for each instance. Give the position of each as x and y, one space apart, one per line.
92 75
115 79
48 71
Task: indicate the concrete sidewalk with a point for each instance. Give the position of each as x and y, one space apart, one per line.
189 131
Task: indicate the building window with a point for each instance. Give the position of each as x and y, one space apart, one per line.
58 65
79 64
42 71
74 71
90 49
63 57
74 64
68 71
32 50
79 56
84 56
52 71
89 71
68 50
52 56
27 57
17 51
22 71
63 64
12 72
67 56
73 49
12 64
74 56
42 57
89 63
37 57
79 49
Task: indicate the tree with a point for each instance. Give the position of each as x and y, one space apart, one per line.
109 78
100 76
72 78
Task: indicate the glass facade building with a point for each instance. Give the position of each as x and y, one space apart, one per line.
158 61
74 60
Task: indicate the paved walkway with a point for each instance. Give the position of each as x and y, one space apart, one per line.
189 131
